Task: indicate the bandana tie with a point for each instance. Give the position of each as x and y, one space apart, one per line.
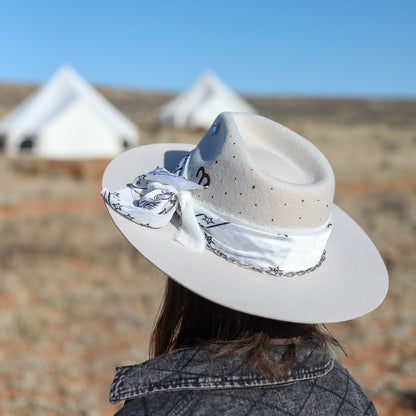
152 199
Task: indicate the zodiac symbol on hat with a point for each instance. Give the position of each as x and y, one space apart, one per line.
203 176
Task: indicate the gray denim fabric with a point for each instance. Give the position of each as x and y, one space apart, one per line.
192 382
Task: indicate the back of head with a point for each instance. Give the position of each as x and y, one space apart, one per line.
188 320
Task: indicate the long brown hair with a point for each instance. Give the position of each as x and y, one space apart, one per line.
188 320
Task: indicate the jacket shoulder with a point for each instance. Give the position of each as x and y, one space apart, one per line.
344 393
336 393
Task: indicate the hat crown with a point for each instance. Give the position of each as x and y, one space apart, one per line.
260 173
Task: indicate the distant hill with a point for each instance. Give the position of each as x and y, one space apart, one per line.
142 107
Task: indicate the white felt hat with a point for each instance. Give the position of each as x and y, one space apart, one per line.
261 186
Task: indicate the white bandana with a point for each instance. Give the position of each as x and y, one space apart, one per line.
152 199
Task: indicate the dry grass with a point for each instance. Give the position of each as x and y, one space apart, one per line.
76 299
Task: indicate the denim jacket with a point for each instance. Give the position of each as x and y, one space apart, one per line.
193 382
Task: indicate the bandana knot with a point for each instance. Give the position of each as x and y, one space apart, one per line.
157 195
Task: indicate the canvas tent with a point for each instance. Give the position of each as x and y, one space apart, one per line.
198 106
67 119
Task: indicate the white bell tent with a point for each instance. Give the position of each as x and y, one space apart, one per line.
198 106
67 119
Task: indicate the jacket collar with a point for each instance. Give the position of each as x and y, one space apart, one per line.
197 368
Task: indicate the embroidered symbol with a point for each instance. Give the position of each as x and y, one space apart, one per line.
214 129
203 176
129 217
274 270
117 206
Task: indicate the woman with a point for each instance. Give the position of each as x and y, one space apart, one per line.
258 257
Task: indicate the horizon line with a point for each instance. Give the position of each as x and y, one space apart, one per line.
254 95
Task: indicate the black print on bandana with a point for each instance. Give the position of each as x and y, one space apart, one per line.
208 220
208 238
153 203
203 176
178 170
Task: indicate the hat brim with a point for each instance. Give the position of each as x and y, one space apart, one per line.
351 282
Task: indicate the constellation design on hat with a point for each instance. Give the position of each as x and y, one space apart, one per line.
214 128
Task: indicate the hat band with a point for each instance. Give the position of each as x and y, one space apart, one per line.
152 199
276 253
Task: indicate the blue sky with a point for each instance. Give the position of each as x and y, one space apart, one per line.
361 48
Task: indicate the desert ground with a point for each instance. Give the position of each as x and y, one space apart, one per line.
76 300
